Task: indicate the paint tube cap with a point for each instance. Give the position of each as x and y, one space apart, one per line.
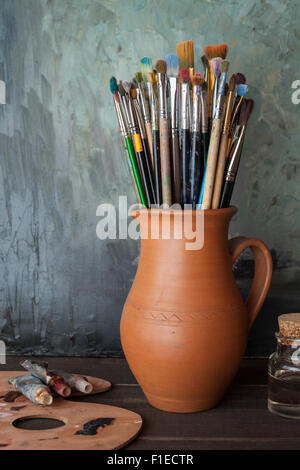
43 397
83 386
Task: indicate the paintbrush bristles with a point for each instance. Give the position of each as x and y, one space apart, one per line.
224 66
185 52
172 62
139 77
242 90
126 86
240 79
133 93
198 79
184 75
221 50
215 64
232 82
161 66
113 84
151 77
146 67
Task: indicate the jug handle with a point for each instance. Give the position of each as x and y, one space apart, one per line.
262 275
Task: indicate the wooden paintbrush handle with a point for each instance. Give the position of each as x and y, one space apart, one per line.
176 167
211 163
165 161
149 138
220 172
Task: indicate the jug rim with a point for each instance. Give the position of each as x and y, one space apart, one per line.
179 212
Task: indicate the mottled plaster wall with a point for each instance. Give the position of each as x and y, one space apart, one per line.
62 289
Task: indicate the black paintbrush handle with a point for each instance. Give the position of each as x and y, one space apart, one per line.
227 193
157 167
196 168
185 165
143 169
149 173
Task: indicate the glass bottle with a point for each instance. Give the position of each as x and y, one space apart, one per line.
284 369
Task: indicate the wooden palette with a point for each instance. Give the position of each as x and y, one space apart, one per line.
87 426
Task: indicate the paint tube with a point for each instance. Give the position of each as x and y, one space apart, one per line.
77 382
55 382
33 388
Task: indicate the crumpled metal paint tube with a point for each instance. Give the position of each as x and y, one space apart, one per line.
77 382
33 388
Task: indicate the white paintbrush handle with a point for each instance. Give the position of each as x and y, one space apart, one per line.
212 159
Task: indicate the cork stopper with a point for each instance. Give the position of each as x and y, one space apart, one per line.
289 325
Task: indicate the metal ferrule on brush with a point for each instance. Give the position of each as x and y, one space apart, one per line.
139 117
185 96
125 107
215 95
173 104
162 95
196 109
234 161
227 116
144 104
131 115
121 119
204 112
153 107
221 87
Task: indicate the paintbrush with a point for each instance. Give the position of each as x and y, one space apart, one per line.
141 126
246 109
204 136
214 141
221 50
196 155
155 137
123 124
185 52
185 136
165 158
144 164
223 144
145 112
172 61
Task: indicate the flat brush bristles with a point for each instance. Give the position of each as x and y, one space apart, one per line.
232 82
198 79
243 116
121 88
216 63
224 66
151 78
184 75
242 90
172 63
185 52
146 67
126 86
139 77
161 66
133 93
240 79
113 85
220 50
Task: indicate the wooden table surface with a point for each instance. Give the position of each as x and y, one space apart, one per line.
241 421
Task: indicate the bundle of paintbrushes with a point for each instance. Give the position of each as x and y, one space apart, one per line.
183 131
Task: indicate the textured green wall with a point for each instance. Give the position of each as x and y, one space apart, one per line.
62 289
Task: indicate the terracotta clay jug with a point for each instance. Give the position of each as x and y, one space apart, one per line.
184 325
